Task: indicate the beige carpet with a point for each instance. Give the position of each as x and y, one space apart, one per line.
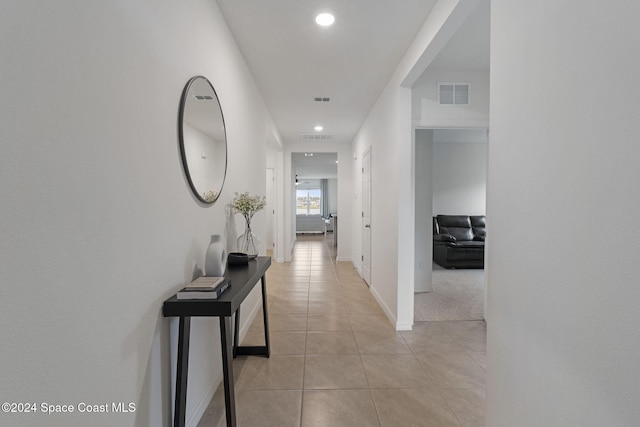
457 295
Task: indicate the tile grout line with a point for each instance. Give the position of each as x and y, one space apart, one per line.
316 259
373 401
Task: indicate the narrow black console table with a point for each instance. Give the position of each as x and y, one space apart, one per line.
243 279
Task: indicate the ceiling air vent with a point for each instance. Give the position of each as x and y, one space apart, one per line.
316 136
319 99
453 93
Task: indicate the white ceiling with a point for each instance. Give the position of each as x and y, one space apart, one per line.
318 166
293 60
468 48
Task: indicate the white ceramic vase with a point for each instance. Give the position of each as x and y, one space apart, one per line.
215 260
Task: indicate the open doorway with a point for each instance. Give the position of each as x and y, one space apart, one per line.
451 181
315 193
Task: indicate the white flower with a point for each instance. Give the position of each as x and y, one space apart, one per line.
247 205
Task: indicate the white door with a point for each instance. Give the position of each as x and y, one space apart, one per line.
271 212
366 216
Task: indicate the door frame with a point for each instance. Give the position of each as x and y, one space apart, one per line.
366 222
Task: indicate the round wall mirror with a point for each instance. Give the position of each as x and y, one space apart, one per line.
203 139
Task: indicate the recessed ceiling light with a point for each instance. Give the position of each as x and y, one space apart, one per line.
325 19
308 154
318 128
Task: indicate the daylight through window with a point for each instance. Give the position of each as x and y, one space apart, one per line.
308 201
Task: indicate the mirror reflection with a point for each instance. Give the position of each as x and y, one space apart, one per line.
203 140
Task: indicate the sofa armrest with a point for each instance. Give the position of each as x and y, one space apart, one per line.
444 238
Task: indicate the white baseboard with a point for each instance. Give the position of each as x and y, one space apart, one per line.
384 306
400 326
419 289
194 417
404 326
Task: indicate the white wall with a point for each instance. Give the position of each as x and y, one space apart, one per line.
424 201
381 127
427 113
388 131
98 222
563 316
459 178
308 183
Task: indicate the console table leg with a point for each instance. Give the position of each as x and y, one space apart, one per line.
227 368
265 315
236 333
182 371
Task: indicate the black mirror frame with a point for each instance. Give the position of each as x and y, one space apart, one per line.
185 165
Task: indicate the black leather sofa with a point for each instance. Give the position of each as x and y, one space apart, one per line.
458 241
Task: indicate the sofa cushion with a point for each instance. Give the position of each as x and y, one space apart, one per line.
462 221
465 255
472 244
444 238
461 234
478 221
459 226
478 225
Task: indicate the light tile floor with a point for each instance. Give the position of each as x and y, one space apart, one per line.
337 361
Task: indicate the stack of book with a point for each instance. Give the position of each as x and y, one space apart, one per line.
204 288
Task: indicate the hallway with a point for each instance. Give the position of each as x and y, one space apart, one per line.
336 360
